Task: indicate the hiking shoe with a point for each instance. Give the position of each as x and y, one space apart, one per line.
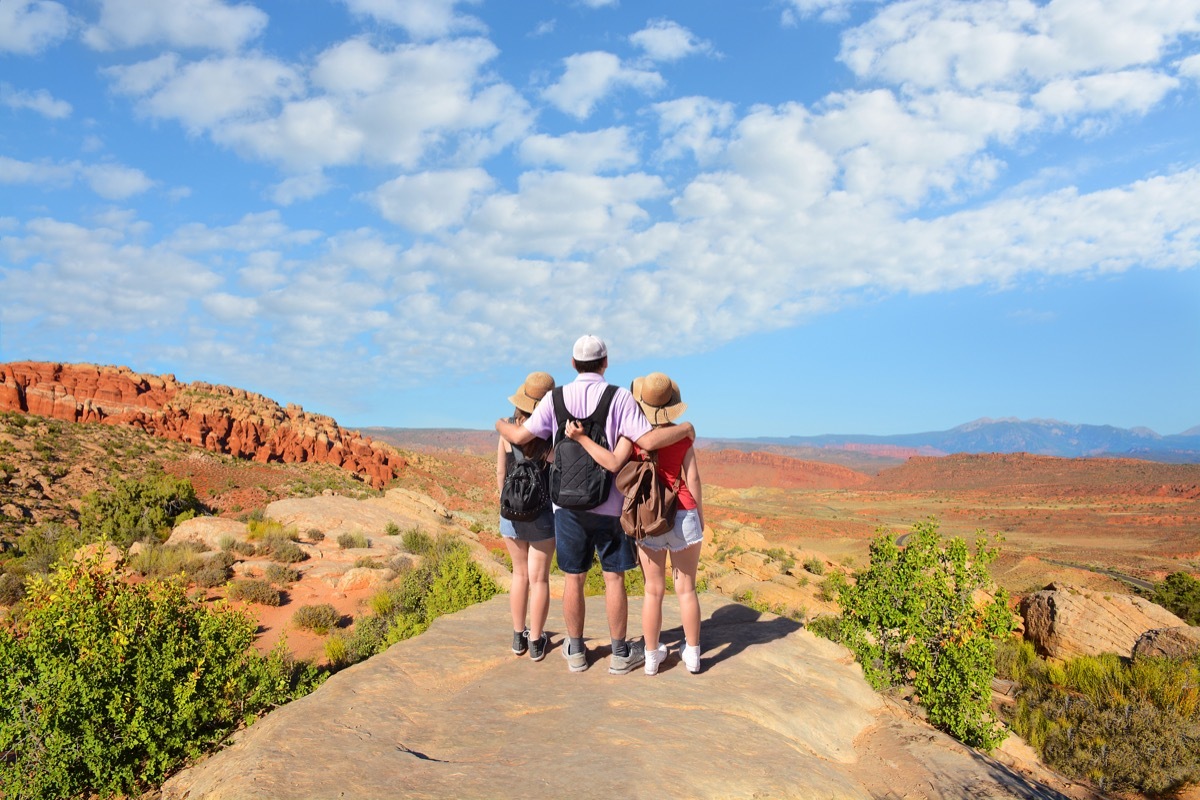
576 662
520 642
655 657
537 647
691 657
623 666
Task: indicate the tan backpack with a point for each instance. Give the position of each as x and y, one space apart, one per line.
649 507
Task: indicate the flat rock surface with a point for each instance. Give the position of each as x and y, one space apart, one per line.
774 713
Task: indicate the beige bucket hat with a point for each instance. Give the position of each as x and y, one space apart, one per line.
536 386
659 398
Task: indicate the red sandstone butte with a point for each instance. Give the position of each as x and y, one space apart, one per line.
218 418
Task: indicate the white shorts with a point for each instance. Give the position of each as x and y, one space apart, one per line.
684 534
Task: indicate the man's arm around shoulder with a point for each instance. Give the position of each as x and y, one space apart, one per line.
658 438
515 434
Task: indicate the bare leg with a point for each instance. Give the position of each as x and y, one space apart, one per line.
654 566
518 595
539 585
573 607
616 604
684 563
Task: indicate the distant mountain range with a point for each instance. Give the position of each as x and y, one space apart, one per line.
1038 436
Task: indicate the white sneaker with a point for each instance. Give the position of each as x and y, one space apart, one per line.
654 658
691 658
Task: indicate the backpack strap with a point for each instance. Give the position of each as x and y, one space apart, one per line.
561 415
600 414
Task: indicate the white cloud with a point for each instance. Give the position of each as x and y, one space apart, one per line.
300 187
31 26
14 171
116 182
693 125
827 10
230 307
40 101
1130 92
595 151
588 77
666 40
423 19
430 201
1190 67
208 24
1009 43
600 3
543 28
202 94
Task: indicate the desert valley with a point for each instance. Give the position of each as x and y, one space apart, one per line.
778 526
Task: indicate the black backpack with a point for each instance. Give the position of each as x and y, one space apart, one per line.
577 482
524 496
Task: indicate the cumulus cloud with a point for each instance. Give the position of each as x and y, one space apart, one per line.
1190 67
430 201
31 26
588 77
109 180
206 24
695 125
422 19
300 187
39 101
665 40
14 172
116 182
594 151
1130 91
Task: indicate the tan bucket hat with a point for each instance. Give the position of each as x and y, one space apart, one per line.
659 398
536 386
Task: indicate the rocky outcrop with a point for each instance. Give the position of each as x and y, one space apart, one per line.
737 469
774 712
1183 642
1068 621
218 418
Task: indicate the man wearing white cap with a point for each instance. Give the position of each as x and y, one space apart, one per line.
581 534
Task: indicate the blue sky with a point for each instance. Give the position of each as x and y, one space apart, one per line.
819 216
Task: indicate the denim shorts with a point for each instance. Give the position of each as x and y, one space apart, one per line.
684 534
579 534
534 530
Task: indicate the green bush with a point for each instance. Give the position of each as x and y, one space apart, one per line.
134 510
263 528
417 541
447 580
1179 593
215 572
314 535
320 618
366 562
1124 726
283 550
253 590
281 575
106 687
12 588
911 615
815 565
350 541
392 529
45 545
160 561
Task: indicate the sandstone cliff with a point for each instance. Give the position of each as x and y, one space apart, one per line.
218 418
774 713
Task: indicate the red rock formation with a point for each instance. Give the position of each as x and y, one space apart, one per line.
738 469
221 419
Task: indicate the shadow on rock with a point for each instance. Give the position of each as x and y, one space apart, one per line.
730 630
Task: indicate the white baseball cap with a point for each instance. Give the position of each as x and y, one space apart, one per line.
589 348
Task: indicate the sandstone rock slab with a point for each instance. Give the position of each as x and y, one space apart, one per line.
1181 642
1069 621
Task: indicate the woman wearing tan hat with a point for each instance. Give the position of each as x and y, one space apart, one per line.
662 404
530 543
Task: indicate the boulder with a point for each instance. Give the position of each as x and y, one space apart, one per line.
207 531
1068 621
1181 642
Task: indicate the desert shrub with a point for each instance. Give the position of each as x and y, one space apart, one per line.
1179 593
417 541
447 580
336 651
244 548
785 559
265 528
12 588
1124 726
283 550
211 574
319 618
502 556
253 590
912 612
281 575
134 510
226 542
160 561
815 565
350 541
108 686
45 545
314 535
392 529
366 562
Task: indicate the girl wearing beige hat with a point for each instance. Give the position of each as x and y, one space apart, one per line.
662 404
530 543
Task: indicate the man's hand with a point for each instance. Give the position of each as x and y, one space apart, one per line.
575 430
514 434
